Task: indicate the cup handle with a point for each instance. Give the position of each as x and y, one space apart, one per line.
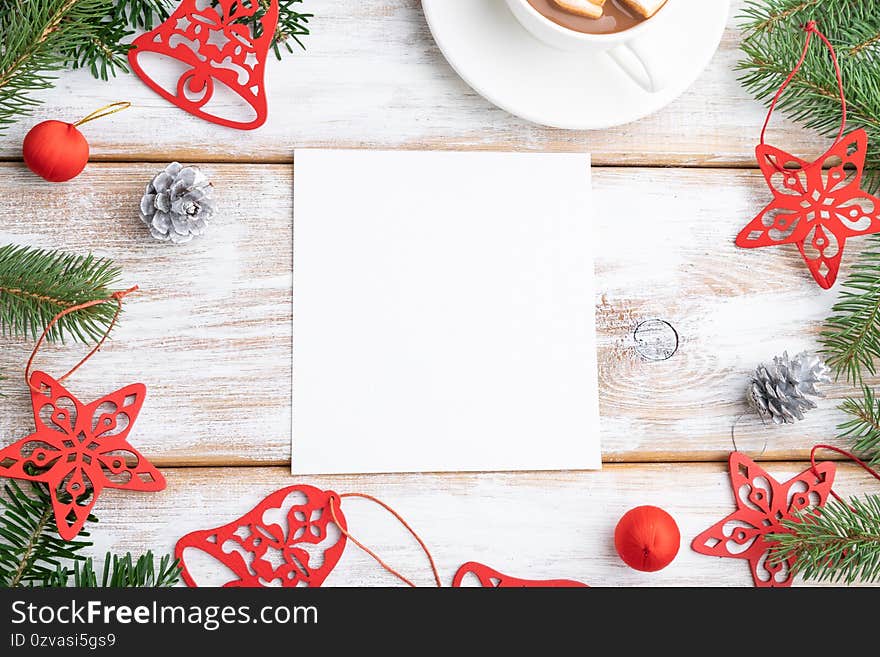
634 58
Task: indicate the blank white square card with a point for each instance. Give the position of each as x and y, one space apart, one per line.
443 312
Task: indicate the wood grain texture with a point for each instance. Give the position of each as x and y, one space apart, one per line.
372 77
210 331
533 525
666 251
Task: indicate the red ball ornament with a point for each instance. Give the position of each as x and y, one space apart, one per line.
647 538
55 150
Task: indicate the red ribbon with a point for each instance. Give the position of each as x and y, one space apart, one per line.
116 296
843 452
373 554
810 28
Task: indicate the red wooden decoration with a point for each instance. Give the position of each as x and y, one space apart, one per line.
218 48
491 578
762 504
816 205
78 450
289 536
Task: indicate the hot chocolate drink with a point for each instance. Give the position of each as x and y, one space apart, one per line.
597 16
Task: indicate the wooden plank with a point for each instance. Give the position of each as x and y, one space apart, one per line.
539 525
210 331
373 78
666 252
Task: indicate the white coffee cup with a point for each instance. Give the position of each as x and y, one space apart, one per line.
629 48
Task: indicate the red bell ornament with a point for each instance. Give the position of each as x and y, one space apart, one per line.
216 49
57 151
291 538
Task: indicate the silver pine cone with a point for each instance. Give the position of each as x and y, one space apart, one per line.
177 204
780 391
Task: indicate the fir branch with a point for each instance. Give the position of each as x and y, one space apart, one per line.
863 427
842 542
105 52
292 25
31 551
35 284
144 14
33 554
36 33
120 572
851 336
772 45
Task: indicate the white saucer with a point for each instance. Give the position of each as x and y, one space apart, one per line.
505 64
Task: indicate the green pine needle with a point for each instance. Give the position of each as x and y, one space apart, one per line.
773 43
38 37
31 551
35 284
142 14
841 543
292 25
33 554
120 572
863 426
851 336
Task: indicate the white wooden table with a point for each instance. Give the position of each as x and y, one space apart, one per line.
210 333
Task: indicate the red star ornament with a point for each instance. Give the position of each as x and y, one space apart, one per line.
762 504
816 205
78 450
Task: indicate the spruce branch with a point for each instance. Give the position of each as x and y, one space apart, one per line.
772 43
124 571
292 24
36 36
863 426
33 554
35 284
839 543
31 551
851 336
144 14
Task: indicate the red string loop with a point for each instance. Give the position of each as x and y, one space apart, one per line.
842 452
811 28
376 556
116 296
